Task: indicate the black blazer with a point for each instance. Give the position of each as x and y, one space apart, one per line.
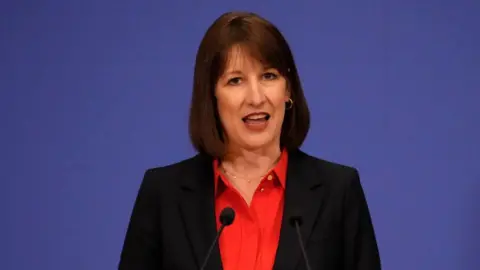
173 220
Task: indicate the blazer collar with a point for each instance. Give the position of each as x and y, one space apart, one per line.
197 205
303 196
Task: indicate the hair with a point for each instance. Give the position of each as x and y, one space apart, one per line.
265 43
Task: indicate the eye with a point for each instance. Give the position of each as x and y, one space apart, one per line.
270 76
234 81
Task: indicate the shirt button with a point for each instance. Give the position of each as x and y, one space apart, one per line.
270 177
262 189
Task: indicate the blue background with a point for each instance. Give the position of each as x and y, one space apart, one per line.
95 92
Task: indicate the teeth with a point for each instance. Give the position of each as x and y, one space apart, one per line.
256 117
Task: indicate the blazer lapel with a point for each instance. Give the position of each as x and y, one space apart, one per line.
198 210
303 196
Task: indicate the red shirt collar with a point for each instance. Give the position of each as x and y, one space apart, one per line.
279 171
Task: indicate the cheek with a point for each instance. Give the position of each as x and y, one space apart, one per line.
226 108
279 94
280 113
279 101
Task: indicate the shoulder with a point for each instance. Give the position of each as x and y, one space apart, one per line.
170 174
339 180
327 171
173 169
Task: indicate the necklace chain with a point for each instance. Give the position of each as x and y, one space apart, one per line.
249 179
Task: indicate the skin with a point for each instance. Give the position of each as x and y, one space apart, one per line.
248 87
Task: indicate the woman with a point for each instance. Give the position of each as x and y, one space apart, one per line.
248 119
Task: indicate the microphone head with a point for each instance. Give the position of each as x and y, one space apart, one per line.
227 216
296 219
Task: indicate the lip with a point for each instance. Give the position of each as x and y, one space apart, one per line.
256 113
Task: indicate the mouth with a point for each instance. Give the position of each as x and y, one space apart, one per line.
256 117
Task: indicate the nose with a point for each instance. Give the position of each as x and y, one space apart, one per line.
256 94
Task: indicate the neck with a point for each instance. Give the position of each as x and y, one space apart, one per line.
251 162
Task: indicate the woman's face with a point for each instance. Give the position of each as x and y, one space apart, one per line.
251 102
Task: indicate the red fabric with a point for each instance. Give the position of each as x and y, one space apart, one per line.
251 241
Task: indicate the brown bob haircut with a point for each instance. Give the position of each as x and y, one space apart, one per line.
264 42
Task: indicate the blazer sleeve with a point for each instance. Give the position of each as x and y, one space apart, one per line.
361 250
141 244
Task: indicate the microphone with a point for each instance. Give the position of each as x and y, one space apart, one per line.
227 216
297 221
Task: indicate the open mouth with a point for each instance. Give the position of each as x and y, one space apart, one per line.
256 118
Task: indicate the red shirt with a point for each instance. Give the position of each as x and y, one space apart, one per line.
251 241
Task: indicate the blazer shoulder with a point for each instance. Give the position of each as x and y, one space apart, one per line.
332 172
173 167
172 171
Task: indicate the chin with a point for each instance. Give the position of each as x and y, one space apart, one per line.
258 143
